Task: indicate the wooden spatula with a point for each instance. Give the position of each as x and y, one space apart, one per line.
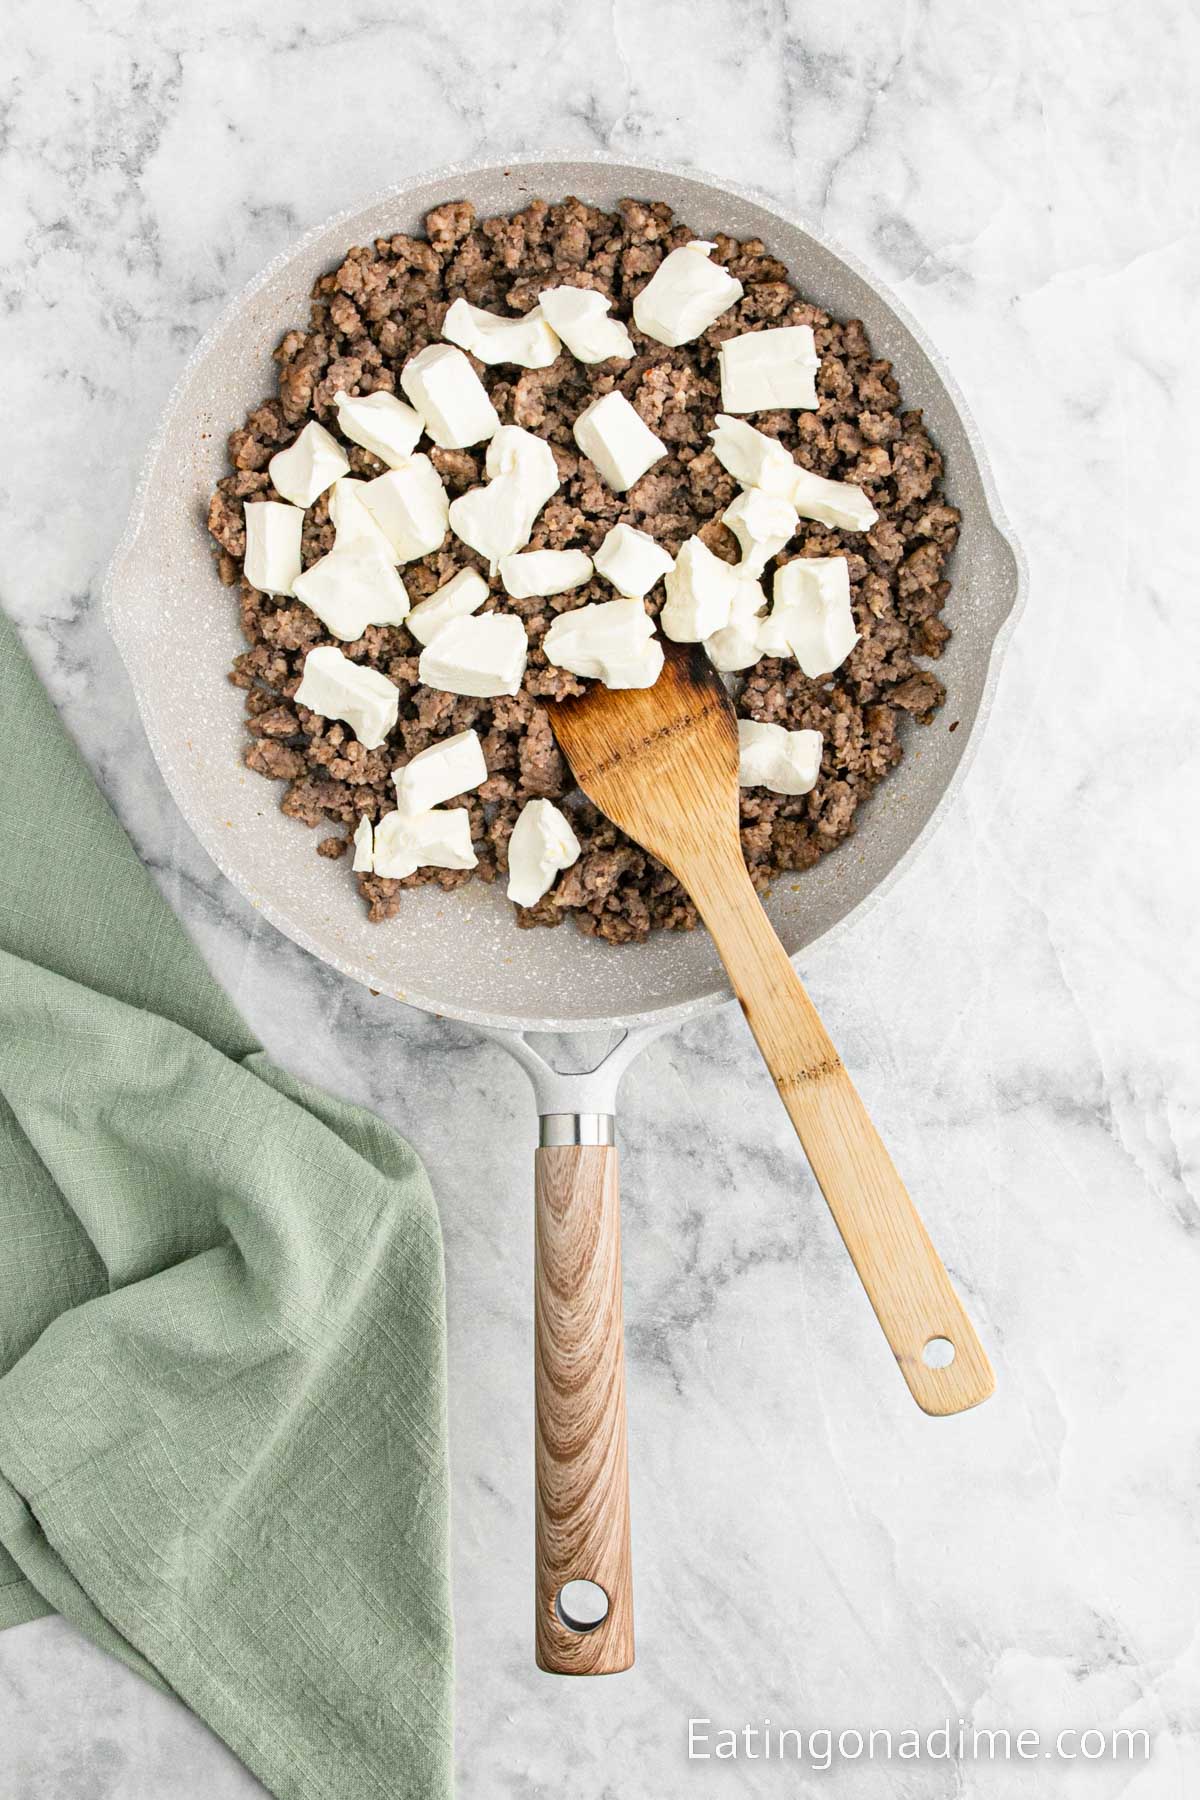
662 763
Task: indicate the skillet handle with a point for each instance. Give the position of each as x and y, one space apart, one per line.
582 1470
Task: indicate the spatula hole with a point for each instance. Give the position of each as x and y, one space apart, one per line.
938 1353
581 1605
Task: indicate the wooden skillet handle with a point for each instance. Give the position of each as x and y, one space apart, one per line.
582 1465
891 1250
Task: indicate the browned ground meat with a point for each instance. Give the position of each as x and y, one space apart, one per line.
387 301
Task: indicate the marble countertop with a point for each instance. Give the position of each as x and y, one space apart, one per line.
810 1548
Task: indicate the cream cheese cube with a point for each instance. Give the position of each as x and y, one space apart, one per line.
762 370
685 295
771 756
515 451
273 533
352 588
522 338
430 840
495 519
410 507
612 641
453 766
306 468
837 503
529 460
364 847
812 614
544 572
618 440
463 593
498 518
632 561
700 594
640 670
478 655
756 460
381 424
762 524
542 845
753 458
738 645
450 397
351 519
337 688
580 317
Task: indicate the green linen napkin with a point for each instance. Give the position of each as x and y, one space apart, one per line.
222 1349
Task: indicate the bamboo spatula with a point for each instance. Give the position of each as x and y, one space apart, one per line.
662 763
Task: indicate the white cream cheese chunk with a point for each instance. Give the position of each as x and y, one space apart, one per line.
771 756
351 518
544 572
753 458
515 451
542 845
811 615
495 519
440 839
352 588
617 439
762 370
306 468
837 503
580 317
453 766
685 295
522 338
364 847
762 524
632 561
410 507
756 460
463 593
478 655
498 518
700 594
612 641
337 688
381 424
273 533
738 644
450 397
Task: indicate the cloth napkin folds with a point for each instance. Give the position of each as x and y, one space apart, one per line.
222 1348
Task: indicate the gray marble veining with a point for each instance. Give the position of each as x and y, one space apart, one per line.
1021 1015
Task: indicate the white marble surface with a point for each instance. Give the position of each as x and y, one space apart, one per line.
809 1547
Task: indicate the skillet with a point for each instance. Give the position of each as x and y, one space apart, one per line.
460 954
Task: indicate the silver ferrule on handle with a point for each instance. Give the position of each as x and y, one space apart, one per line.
577 1128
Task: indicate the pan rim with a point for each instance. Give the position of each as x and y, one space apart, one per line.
121 565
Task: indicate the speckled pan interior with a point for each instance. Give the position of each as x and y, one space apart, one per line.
461 953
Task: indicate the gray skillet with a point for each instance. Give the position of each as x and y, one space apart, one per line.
460 954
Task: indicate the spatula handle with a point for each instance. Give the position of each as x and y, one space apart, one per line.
579 1376
907 1285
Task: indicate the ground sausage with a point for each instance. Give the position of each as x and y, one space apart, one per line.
385 302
